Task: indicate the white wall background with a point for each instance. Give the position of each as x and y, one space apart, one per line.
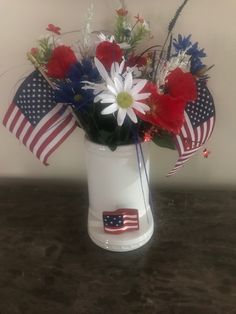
211 23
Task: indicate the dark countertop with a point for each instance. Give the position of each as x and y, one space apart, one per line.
49 265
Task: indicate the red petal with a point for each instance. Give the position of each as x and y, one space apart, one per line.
181 84
108 52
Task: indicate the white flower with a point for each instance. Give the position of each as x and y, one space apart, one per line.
102 37
121 92
181 61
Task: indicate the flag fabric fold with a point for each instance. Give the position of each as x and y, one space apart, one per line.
40 123
197 128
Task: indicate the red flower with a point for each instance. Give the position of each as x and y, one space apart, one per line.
54 29
166 112
122 12
108 53
60 62
34 51
180 84
139 61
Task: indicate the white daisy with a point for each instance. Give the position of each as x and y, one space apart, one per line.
121 92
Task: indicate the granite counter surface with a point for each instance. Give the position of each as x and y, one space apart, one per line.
49 265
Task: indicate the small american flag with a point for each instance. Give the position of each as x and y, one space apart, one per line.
36 120
197 128
120 220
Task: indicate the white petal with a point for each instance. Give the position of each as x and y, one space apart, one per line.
118 83
112 89
122 66
128 82
121 116
108 100
138 108
101 69
138 87
114 70
97 98
110 109
141 96
106 94
143 106
132 115
103 95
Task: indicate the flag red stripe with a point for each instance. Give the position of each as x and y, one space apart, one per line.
14 121
8 113
205 131
50 122
21 127
52 136
27 134
59 143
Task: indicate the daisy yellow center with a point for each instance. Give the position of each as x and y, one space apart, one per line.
77 97
124 100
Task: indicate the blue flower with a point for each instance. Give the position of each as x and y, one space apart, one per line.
71 90
71 93
83 71
184 44
196 65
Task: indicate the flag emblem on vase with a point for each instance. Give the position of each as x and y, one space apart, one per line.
198 126
121 220
36 119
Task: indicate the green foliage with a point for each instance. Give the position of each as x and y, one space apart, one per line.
164 139
125 32
138 35
103 129
44 50
120 30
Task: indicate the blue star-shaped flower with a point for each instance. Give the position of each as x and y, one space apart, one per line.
71 90
184 44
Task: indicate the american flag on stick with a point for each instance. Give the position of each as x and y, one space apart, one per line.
36 119
120 220
198 126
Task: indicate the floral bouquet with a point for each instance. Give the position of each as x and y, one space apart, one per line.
118 93
122 97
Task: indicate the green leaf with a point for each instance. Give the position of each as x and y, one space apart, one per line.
164 139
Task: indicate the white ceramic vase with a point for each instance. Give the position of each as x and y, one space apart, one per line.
117 179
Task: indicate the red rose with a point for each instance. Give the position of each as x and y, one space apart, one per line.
61 60
180 84
166 112
139 61
108 52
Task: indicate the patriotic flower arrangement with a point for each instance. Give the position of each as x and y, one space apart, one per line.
118 93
